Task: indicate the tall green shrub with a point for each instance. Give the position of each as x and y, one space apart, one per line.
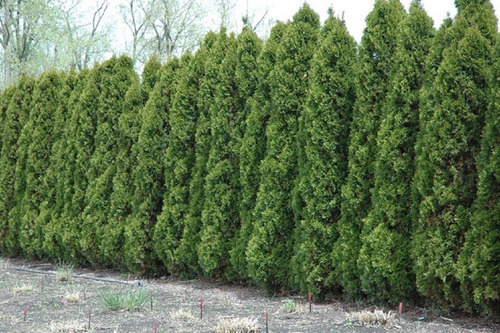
80 147
179 161
327 119
376 59
384 261
253 142
113 234
220 215
446 168
39 133
16 117
48 221
190 239
148 174
270 247
117 76
479 263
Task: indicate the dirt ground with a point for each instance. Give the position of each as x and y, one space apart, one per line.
67 306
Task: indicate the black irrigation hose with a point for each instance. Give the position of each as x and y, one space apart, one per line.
27 270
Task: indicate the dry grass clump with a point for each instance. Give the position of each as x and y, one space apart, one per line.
375 318
67 326
64 272
237 325
72 296
24 288
182 314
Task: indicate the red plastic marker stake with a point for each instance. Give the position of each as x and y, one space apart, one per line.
201 309
26 308
156 327
267 322
400 308
309 299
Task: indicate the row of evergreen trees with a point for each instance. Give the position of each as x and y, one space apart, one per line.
306 163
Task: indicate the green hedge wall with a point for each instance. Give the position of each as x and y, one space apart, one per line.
303 163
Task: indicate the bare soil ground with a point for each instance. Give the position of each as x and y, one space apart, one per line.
32 287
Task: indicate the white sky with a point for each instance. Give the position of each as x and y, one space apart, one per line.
354 11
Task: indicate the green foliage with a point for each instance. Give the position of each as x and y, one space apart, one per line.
384 261
446 167
270 247
48 221
148 174
178 160
480 259
326 119
11 182
374 66
82 124
294 164
187 248
253 142
117 76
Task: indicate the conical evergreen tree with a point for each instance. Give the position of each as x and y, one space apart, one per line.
220 215
384 261
117 76
376 59
116 235
187 252
253 144
51 208
479 264
327 119
39 133
270 247
16 117
80 147
148 175
179 161
446 169
113 237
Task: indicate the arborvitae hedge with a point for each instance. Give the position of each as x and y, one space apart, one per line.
270 247
384 260
146 171
480 259
116 78
81 143
148 174
16 117
446 167
187 254
291 164
327 120
253 144
376 59
53 188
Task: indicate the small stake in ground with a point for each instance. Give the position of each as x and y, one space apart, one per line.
26 308
267 322
43 279
90 316
201 309
309 299
400 311
156 327
151 300
85 292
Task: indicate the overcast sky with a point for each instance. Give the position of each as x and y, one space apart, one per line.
354 11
